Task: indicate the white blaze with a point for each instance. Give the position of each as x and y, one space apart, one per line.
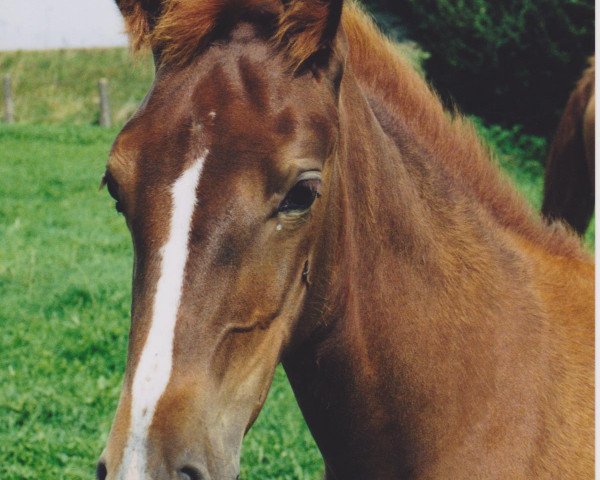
154 367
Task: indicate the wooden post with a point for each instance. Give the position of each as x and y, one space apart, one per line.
104 103
9 106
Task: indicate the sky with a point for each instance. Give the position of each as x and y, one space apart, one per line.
48 24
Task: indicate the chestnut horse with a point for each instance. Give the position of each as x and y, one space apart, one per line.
569 183
296 193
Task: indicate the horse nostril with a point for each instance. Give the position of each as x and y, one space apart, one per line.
190 473
101 471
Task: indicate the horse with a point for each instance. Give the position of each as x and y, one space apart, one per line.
569 181
297 194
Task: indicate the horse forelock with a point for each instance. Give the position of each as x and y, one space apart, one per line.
179 29
185 27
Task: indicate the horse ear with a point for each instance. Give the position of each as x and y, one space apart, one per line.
307 31
140 18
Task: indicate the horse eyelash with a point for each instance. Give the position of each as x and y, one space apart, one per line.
104 184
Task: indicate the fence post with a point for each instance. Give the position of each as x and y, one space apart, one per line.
9 106
104 103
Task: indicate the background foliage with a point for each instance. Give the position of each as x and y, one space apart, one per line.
508 61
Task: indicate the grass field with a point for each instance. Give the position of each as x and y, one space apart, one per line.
60 86
65 262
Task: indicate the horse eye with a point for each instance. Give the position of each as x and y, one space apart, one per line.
301 197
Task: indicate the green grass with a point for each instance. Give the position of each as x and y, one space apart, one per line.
61 86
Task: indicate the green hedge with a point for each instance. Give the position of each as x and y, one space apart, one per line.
508 61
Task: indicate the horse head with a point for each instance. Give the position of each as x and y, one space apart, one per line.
222 178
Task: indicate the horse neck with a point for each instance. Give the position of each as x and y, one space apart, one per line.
405 264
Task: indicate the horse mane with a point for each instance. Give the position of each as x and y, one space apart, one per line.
183 27
384 72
